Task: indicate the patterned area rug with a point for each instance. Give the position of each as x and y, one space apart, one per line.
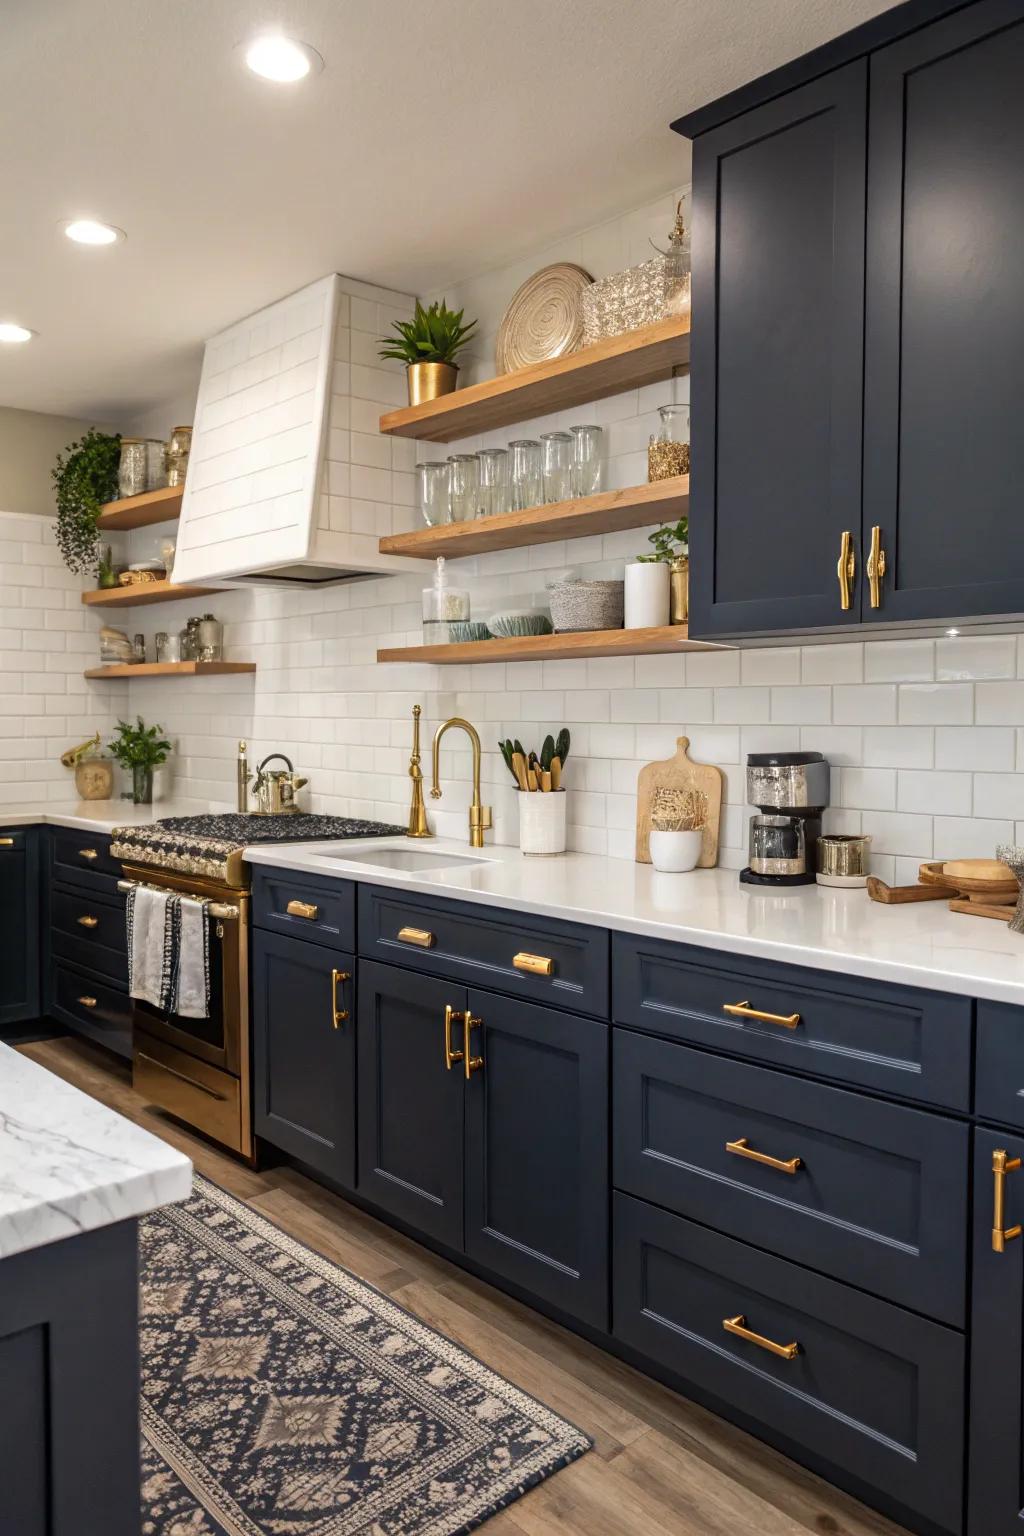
281 1396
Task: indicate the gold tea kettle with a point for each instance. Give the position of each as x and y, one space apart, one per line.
275 788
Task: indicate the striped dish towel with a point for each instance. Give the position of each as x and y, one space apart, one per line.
169 952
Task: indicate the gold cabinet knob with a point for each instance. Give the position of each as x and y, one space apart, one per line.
6 842
418 936
87 1002
537 965
88 853
88 921
303 909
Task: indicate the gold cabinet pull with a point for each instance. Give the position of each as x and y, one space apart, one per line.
419 936
738 1326
846 568
472 1063
450 1056
537 965
88 922
303 909
338 1015
1001 1166
87 1002
6 842
781 1165
88 853
875 566
744 1011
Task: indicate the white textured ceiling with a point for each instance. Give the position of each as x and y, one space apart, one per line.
442 138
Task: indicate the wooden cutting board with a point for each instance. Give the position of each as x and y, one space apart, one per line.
679 772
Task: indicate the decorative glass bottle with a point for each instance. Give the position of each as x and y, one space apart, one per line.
668 453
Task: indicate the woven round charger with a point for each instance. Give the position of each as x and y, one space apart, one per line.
544 319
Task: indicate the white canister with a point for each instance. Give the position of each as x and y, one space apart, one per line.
676 852
541 821
647 594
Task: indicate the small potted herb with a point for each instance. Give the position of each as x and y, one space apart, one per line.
428 345
140 748
671 550
678 819
85 477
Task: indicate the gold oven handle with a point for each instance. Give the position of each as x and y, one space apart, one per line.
472 1063
738 1326
88 853
338 1015
782 1165
744 1011
1001 1166
419 936
218 909
537 965
450 1056
88 921
303 909
846 568
874 567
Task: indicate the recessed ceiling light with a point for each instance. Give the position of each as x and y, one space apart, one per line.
952 633
92 232
10 332
281 59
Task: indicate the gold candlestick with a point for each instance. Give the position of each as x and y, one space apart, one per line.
417 811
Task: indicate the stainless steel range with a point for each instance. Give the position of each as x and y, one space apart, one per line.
199 1069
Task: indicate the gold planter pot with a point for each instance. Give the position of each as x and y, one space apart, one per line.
429 381
679 586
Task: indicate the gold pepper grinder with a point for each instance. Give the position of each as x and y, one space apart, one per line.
417 811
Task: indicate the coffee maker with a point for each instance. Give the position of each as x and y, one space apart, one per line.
790 790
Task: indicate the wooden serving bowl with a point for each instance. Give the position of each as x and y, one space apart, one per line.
980 880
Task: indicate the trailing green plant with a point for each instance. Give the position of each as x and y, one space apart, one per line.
85 476
139 745
433 335
670 542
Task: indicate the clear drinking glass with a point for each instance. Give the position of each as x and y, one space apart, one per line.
525 473
435 492
586 460
493 481
465 486
557 451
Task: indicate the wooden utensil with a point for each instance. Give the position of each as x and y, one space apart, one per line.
679 772
519 769
556 773
891 895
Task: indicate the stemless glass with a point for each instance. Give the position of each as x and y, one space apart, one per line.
465 493
557 447
435 492
493 481
586 460
525 472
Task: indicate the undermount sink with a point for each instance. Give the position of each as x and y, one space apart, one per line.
412 859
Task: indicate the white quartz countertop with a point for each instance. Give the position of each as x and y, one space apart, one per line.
68 1164
101 815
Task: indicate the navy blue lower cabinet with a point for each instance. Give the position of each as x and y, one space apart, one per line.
999 1064
996 1419
870 1389
19 924
304 1052
870 1192
410 1102
537 1151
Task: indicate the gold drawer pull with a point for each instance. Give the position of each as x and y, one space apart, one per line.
6 842
418 936
88 853
537 965
303 909
450 1015
738 1326
1001 1166
782 1165
339 1015
744 1011
87 1002
88 922
472 1063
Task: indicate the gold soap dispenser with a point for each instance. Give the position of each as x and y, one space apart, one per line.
417 811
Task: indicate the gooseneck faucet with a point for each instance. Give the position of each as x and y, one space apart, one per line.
479 815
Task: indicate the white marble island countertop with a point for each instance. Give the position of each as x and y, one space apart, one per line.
68 1164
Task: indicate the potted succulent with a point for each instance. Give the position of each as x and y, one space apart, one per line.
85 476
428 345
671 548
678 819
140 748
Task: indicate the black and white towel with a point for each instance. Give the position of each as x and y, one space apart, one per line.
169 952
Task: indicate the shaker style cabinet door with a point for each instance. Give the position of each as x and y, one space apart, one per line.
19 924
776 359
537 1152
945 318
304 1052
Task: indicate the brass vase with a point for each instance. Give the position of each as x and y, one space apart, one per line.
429 381
679 587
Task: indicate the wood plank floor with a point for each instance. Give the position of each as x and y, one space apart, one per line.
661 1465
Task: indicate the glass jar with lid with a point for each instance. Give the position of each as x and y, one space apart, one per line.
668 452
210 638
178 448
131 469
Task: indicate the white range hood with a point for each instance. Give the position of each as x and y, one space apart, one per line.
272 496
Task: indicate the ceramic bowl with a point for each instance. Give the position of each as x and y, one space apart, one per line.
468 629
516 623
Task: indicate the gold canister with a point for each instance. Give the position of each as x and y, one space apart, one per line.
94 778
429 381
843 859
679 589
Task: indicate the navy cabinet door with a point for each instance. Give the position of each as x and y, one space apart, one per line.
777 354
19 924
411 1106
304 1058
945 316
996 1420
537 1152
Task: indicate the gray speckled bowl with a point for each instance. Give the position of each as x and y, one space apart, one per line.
582 605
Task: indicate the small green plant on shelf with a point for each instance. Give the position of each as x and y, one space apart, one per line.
140 748
671 542
85 476
433 335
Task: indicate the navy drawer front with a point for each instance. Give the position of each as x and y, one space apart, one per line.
88 929
83 858
321 910
873 1390
92 1007
878 1197
904 1041
482 945
14 839
999 1064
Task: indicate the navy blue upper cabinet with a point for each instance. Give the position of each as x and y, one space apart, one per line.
945 316
19 923
776 359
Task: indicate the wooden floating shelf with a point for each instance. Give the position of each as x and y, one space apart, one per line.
607 512
620 362
594 642
162 506
172 669
141 593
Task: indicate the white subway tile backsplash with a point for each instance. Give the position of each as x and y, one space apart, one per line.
972 657
999 703
933 793
864 704
899 661
998 795
937 703
839 663
988 748
969 837
869 789
770 665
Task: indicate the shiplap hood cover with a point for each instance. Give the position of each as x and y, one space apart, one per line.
267 498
